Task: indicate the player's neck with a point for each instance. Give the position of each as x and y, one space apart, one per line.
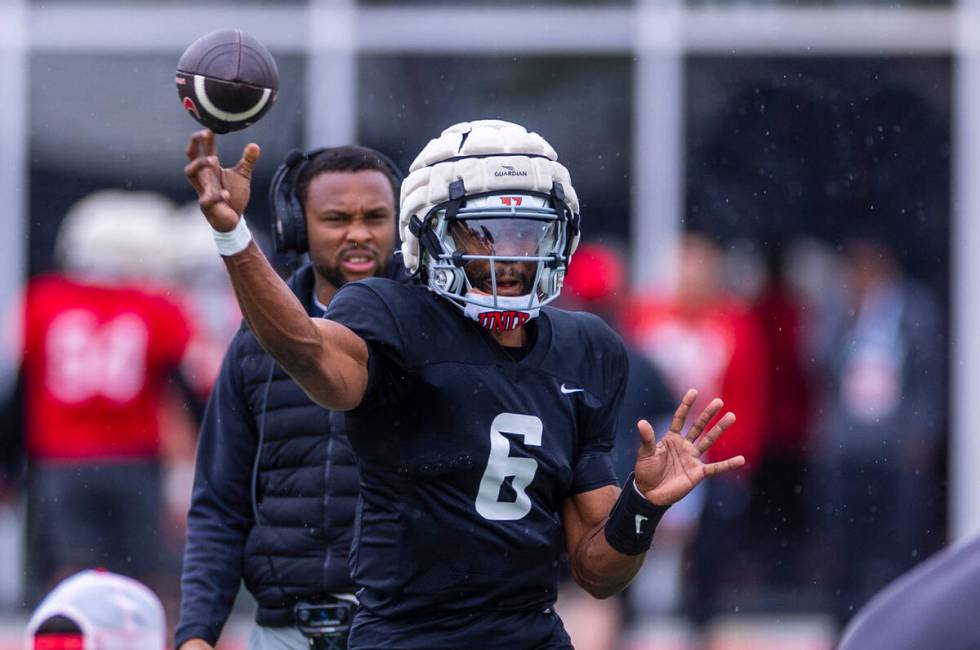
323 289
516 338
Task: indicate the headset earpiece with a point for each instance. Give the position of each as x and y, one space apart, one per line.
288 217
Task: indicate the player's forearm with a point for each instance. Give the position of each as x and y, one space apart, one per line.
600 569
608 532
274 314
327 360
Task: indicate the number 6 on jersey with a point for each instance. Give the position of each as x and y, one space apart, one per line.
501 465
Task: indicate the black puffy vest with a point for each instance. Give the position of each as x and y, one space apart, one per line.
306 487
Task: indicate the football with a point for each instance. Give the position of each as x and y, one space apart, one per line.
227 80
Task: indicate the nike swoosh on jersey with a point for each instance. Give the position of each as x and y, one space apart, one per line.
566 391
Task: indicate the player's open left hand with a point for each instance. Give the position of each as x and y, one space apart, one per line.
666 470
222 192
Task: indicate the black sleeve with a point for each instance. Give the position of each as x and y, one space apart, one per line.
594 467
220 516
363 310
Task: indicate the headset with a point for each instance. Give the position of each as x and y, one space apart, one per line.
288 217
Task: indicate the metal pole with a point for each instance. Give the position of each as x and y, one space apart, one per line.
965 349
13 179
658 155
331 79
13 213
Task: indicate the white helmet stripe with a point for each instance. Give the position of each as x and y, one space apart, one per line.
208 105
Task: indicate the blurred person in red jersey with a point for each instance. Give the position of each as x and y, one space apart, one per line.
703 334
101 344
880 432
778 511
596 282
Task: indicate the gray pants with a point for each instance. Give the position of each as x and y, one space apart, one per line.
277 638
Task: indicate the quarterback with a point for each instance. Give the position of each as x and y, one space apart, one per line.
482 418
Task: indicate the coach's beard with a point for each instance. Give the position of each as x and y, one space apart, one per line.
336 275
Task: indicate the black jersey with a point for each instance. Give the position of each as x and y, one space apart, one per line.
466 456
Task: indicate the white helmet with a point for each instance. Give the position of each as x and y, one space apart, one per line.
490 220
191 245
113 234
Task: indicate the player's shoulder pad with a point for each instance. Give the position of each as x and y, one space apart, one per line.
586 347
387 312
583 328
400 297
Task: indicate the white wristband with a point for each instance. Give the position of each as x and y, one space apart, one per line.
233 241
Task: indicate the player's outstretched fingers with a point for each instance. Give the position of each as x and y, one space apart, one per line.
706 416
250 156
680 415
704 443
722 466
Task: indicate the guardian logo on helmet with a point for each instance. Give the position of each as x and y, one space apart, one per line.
507 170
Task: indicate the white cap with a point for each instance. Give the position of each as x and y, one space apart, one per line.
112 611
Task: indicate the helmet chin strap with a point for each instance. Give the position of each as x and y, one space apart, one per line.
510 313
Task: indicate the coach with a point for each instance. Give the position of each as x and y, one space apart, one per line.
276 484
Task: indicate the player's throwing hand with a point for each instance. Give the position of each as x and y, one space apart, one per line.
669 469
222 192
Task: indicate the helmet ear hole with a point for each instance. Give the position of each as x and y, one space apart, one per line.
449 280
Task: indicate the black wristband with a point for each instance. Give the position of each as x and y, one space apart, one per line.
632 521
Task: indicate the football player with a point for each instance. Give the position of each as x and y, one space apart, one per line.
482 418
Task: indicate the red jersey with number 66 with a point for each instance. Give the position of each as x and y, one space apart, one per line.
96 359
